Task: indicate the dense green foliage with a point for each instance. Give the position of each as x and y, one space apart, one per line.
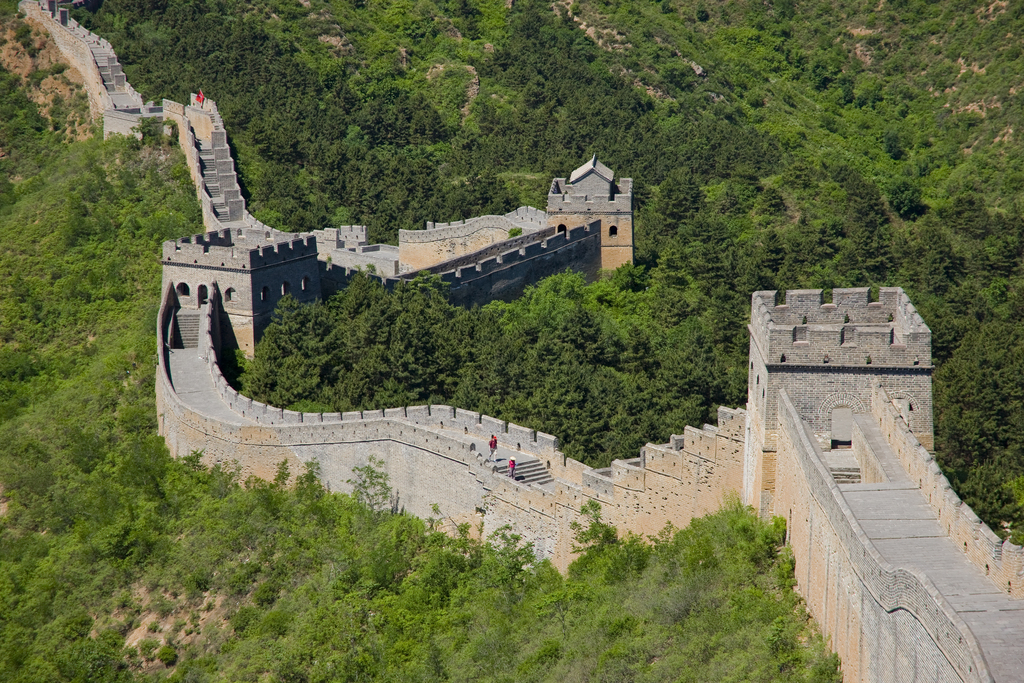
584 363
119 563
774 145
814 146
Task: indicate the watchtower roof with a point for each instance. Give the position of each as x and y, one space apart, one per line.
592 166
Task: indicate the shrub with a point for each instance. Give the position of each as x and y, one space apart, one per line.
245 617
147 647
168 655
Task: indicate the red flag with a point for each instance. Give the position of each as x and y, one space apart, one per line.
200 98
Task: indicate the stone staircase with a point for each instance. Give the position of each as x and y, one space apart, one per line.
208 165
528 471
188 329
844 466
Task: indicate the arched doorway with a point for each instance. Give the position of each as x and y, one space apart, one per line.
560 228
842 428
203 294
182 289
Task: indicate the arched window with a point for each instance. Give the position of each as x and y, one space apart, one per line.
229 295
203 294
560 228
613 231
264 293
305 284
285 288
182 289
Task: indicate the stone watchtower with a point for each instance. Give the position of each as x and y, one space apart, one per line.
829 357
253 268
591 193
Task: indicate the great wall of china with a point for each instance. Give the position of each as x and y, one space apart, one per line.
904 580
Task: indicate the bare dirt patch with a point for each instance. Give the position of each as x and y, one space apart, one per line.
472 90
54 85
990 12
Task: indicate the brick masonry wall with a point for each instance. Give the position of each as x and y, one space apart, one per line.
501 274
76 52
1001 560
886 624
427 465
420 249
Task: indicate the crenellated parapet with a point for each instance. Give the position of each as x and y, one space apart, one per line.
590 194
889 617
999 559
228 249
830 357
850 330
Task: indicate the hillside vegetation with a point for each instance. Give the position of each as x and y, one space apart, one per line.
119 563
774 145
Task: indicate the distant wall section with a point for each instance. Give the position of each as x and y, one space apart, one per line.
442 242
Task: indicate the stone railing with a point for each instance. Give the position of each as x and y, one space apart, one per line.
511 436
891 588
175 111
1001 560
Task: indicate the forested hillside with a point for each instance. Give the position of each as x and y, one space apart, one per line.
119 563
774 145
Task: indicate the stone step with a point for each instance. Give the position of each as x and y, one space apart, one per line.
188 329
527 471
845 475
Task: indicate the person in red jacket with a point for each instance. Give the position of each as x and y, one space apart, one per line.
512 466
493 443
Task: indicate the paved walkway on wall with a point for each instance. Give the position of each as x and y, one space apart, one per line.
904 529
192 381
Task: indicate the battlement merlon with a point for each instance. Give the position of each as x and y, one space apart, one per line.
847 332
218 250
342 237
565 198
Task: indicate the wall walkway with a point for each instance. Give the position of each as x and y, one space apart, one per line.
904 579
890 589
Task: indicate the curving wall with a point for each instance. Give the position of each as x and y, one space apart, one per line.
442 242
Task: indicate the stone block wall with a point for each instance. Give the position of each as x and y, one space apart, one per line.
428 464
1001 560
252 276
75 50
442 242
871 471
886 623
596 199
505 276
817 352
849 331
